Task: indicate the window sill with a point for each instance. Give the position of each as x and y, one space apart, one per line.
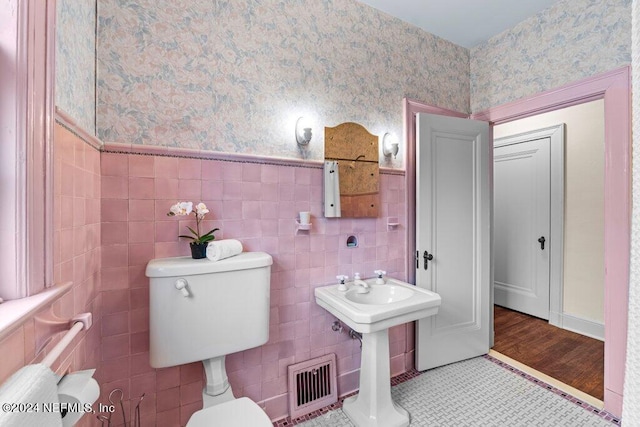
15 312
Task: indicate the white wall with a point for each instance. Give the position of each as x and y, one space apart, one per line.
584 203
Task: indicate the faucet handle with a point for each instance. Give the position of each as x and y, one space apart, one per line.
380 273
341 286
356 276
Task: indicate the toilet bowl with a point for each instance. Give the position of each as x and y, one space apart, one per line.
201 310
239 412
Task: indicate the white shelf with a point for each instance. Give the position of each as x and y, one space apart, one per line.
303 226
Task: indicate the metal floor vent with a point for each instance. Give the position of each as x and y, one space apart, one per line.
312 385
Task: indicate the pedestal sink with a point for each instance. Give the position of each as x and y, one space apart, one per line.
372 314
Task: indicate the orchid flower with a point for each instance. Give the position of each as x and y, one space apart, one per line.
186 208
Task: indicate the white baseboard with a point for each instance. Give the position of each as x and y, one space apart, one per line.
555 318
580 326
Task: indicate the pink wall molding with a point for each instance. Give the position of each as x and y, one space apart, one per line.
66 121
187 153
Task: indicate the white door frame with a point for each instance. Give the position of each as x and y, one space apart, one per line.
556 238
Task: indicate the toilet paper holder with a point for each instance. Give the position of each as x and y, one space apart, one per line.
77 392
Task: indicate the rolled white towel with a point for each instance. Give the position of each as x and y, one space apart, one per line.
221 249
30 386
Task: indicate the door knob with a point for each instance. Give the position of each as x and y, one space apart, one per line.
541 240
427 257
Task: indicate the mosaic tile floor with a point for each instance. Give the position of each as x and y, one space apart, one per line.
478 392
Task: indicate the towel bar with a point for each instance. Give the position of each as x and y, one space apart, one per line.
80 322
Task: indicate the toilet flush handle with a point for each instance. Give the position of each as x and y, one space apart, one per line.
181 285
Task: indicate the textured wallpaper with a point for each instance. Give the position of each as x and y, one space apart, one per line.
571 40
75 60
233 76
631 405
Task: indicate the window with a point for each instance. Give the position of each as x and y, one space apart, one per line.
26 124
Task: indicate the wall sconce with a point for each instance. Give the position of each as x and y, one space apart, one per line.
389 146
303 131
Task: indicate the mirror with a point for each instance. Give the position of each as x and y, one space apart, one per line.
351 173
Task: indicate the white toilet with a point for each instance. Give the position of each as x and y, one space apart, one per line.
202 310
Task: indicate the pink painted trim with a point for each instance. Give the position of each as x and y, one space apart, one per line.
150 150
391 171
15 313
617 233
49 113
410 108
36 147
114 147
579 92
612 400
23 104
615 88
68 122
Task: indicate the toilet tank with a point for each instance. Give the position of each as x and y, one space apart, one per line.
223 309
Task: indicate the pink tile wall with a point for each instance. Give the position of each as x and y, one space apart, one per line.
256 203
76 259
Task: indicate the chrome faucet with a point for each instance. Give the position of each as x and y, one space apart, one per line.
364 286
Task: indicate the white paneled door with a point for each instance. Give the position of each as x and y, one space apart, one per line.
521 229
453 231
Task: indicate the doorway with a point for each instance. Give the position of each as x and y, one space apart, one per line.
529 217
575 245
614 88
522 195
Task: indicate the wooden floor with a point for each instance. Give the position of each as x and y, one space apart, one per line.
572 358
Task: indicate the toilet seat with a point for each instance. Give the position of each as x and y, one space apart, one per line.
238 412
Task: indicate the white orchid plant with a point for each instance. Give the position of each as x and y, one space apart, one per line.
186 208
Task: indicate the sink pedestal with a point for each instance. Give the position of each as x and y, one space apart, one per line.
373 406
372 314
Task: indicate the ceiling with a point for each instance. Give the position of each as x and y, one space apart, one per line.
464 22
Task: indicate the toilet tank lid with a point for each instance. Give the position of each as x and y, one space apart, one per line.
187 266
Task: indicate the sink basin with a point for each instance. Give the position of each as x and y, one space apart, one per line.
372 314
384 306
380 294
